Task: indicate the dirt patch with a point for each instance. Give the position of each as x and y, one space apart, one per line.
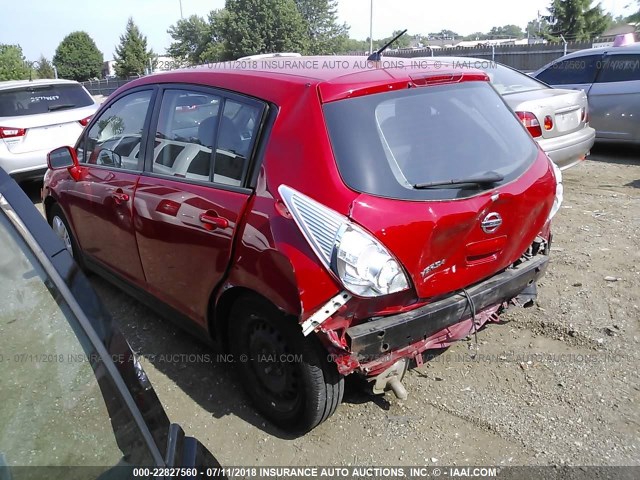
555 384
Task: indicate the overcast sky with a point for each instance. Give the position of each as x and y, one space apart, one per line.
39 25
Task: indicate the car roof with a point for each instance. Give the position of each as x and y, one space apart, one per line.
23 83
337 76
632 48
460 59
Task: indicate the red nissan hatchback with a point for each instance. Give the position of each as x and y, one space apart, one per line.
317 217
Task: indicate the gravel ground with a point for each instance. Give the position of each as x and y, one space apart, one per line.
554 384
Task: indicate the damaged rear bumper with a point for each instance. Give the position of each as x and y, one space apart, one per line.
381 341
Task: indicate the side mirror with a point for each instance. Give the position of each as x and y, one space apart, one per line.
62 157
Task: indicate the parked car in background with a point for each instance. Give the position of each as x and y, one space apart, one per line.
73 392
558 119
320 222
37 116
610 77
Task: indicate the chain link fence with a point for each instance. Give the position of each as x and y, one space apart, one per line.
526 58
106 86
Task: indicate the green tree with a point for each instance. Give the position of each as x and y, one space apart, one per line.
506 31
132 56
325 34
191 37
13 65
636 16
577 19
476 36
196 40
352 45
78 58
44 68
215 47
444 34
403 42
619 20
538 27
250 27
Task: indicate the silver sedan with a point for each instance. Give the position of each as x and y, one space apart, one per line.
611 78
557 119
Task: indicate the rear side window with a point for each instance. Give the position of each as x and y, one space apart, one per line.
620 68
385 144
35 99
571 71
192 125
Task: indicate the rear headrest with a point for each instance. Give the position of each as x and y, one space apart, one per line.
229 138
207 131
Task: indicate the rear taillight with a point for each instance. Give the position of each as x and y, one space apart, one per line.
9 132
531 123
85 121
585 114
548 123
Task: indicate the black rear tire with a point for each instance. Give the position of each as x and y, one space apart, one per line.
287 376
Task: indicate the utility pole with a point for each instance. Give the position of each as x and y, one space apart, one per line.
371 30
539 24
181 9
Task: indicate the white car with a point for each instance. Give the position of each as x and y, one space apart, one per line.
557 119
37 116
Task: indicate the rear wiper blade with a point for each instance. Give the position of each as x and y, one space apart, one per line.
484 179
53 108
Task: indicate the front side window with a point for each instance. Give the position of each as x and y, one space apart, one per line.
620 68
387 144
115 138
192 125
576 70
59 406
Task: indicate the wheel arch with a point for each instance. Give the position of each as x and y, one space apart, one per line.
47 205
220 308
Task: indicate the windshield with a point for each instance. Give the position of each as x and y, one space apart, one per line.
506 80
385 144
38 98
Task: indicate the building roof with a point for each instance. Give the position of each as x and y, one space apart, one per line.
619 30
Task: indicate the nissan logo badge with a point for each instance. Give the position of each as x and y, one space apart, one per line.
491 222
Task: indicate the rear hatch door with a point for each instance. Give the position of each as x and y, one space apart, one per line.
399 149
443 245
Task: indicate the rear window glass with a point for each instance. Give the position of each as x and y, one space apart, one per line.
506 80
35 99
387 143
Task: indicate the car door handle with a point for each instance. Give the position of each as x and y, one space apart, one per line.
212 221
119 196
